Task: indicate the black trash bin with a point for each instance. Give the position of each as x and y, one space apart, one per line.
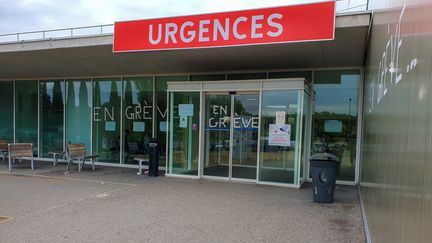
153 157
324 169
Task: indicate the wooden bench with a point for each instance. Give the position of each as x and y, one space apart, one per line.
3 149
21 151
77 151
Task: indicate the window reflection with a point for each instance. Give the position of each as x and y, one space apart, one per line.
161 111
335 117
184 140
106 119
138 117
278 163
6 109
26 114
52 98
78 111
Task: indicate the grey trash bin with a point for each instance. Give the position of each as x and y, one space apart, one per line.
324 169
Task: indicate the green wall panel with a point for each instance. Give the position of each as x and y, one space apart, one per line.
396 168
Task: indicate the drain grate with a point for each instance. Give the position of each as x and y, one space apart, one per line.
5 219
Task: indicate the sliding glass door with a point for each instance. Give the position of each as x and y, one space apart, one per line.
231 135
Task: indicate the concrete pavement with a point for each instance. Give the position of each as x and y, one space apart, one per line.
116 205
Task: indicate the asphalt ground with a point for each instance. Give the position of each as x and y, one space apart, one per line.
117 205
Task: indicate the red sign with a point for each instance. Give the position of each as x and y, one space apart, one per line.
310 22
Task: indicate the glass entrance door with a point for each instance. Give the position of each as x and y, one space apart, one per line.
231 135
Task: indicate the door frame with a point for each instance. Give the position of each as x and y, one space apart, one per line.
256 86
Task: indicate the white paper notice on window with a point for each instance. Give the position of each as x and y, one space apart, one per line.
163 126
334 126
110 126
280 117
279 135
138 126
183 121
186 109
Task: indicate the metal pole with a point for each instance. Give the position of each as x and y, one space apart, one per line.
189 152
349 110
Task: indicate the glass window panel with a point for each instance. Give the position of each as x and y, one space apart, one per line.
26 116
278 163
52 96
161 111
335 117
208 77
106 119
78 111
295 74
6 109
246 76
138 117
184 138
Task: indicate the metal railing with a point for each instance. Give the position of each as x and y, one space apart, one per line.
94 30
345 6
